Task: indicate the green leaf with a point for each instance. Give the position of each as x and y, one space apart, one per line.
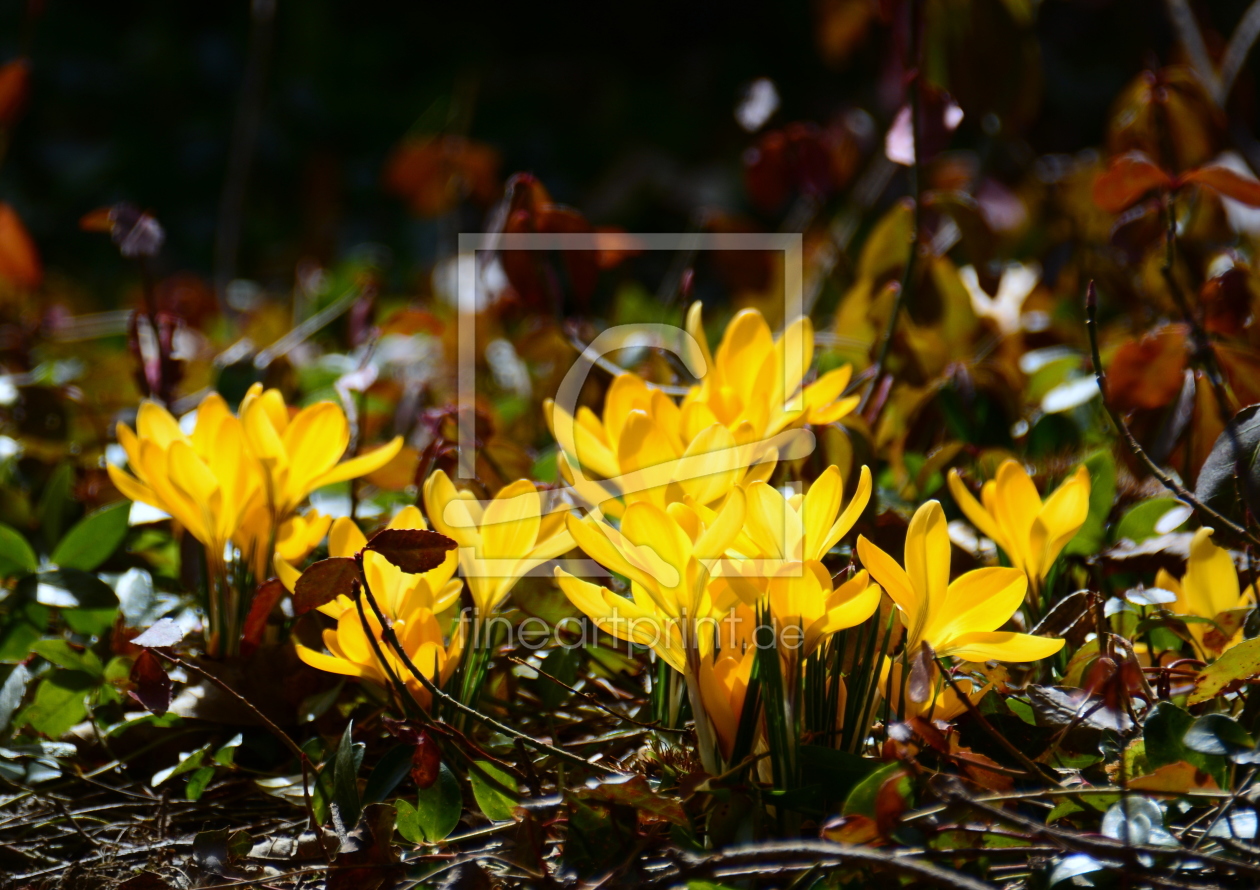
17 557
1164 732
60 702
93 539
88 604
861 800
1102 496
1241 662
436 812
839 772
23 625
62 654
12 692
55 503
1141 520
391 769
227 754
197 783
496 805
1217 734
345 785
188 762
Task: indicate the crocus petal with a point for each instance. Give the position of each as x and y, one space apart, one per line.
928 552
1211 579
345 539
976 514
362 465
1001 646
980 600
847 519
1061 517
889 575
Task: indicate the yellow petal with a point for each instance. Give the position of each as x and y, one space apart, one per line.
509 527
928 553
1016 505
975 513
1211 579
1001 646
345 539
155 424
980 600
362 465
890 576
1061 517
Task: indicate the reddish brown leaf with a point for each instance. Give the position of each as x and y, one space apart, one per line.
1242 370
1147 373
1226 301
324 582
636 793
856 829
19 260
265 600
426 761
435 173
150 684
413 550
539 286
891 801
1128 178
1226 182
15 80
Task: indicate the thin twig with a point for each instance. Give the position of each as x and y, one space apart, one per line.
916 181
1183 493
797 854
266 721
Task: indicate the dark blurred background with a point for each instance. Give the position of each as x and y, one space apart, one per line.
625 112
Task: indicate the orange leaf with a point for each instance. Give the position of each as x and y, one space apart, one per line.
1176 777
1226 182
852 830
19 260
1128 178
1147 373
15 80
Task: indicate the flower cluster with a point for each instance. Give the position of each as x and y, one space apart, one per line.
237 481
704 540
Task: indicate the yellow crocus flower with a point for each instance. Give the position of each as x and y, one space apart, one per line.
350 651
958 619
397 593
668 555
752 390
755 379
807 610
1208 588
1032 533
207 481
300 534
500 542
302 453
804 526
724 687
